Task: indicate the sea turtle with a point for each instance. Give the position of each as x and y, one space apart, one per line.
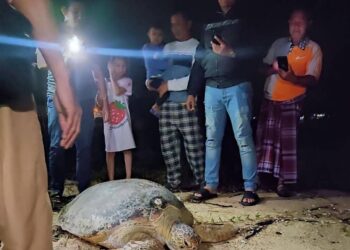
130 214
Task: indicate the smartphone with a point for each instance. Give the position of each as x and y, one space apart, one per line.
282 63
216 41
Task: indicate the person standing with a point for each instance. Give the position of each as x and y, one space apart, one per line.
82 70
118 130
285 91
25 211
220 64
175 120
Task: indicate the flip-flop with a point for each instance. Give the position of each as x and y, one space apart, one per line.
203 195
250 195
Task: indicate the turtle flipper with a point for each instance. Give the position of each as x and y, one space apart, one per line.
214 233
144 245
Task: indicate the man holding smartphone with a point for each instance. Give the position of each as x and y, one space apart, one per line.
222 65
294 63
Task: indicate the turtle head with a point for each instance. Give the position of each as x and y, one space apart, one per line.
184 237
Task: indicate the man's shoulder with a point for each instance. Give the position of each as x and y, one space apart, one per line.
280 42
194 41
170 45
314 45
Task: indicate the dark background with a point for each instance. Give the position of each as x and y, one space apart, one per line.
323 143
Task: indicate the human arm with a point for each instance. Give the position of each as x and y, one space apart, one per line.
44 29
197 79
222 48
304 81
119 90
269 65
123 87
313 71
102 91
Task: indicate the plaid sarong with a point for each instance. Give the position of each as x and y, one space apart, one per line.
277 138
175 122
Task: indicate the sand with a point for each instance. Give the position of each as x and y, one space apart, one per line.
312 220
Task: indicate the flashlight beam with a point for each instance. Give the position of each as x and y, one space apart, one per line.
55 46
243 52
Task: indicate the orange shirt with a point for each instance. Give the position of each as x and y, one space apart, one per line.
303 61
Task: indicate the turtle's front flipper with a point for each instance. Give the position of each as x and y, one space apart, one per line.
144 245
215 232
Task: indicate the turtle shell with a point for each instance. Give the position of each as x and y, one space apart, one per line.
107 205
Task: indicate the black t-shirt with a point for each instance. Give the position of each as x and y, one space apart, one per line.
16 72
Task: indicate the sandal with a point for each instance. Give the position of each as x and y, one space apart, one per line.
203 195
250 195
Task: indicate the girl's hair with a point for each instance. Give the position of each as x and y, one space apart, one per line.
113 58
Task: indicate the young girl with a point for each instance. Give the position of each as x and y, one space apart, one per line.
118 133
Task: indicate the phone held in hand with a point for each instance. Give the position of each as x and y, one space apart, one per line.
282 63
215 41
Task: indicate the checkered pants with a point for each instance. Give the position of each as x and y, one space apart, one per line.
175 121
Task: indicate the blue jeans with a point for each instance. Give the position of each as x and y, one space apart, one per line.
83 145
236 101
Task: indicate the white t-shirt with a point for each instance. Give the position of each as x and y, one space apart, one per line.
187 48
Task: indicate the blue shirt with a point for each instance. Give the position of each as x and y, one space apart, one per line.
155 62
51 84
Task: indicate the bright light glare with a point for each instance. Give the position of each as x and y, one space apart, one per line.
74 45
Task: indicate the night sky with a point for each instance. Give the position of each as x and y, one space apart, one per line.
324 143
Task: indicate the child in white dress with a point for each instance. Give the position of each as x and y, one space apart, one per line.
117 131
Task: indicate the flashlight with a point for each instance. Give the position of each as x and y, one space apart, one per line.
74 45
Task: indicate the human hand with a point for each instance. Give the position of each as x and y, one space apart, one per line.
191 103
275 67
287 75
69 116
163 88
222 48
97 73
156 108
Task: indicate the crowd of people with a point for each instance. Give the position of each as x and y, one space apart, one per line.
78 93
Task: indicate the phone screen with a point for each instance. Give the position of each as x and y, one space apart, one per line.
282 62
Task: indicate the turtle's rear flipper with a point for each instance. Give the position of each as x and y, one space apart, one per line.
143 245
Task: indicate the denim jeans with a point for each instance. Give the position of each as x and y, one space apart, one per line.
236 101
83 144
